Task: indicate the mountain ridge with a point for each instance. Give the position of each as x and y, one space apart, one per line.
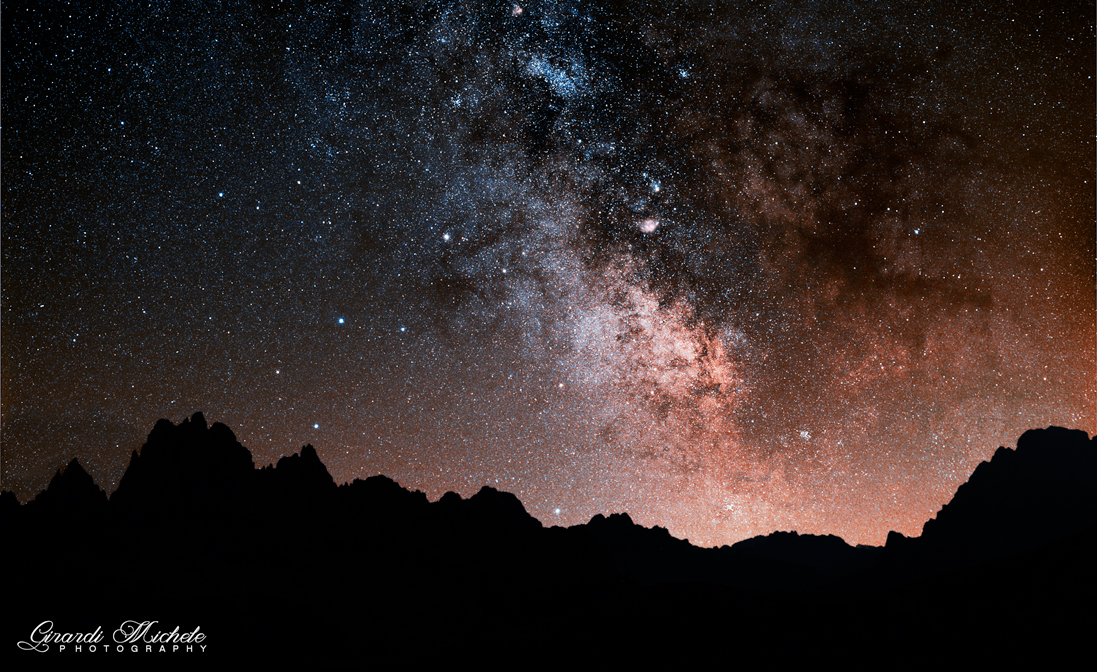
192 503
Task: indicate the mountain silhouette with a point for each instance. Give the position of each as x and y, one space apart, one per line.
1019 501
1022 499
280 565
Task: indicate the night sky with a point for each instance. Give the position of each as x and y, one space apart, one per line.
732 269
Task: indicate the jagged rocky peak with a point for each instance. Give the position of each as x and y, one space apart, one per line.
1021 499
305 468
489 506
189 462
381 488
505 505
72 489
193 440
615 519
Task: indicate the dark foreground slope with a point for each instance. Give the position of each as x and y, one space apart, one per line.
280 566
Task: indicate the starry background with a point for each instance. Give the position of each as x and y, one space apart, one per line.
731 268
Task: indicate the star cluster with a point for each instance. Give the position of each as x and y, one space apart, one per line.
730 268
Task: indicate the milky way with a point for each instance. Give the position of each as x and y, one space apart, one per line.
731 269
